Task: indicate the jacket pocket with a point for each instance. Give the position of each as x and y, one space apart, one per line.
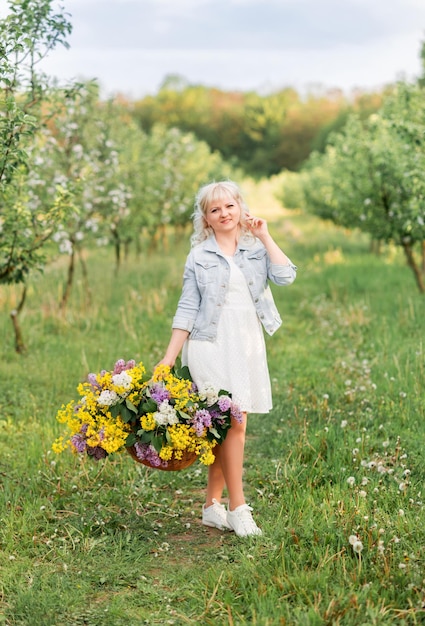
206 272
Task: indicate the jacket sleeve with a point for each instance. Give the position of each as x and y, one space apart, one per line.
190 299
282 274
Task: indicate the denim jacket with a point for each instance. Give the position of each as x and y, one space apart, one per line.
206 281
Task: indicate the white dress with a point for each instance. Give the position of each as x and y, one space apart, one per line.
236 360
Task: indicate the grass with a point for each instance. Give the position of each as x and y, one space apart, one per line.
116 543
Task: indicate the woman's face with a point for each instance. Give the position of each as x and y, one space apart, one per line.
223 215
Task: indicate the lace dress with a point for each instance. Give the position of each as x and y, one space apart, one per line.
237 359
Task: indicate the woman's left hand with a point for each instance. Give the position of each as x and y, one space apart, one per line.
257 225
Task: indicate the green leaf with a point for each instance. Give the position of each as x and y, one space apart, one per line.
183 372
130 406
125 413
146 437
157 443
148 407
115 410
131 440
214 432
183 415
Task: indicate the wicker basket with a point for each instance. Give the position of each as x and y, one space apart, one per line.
173 464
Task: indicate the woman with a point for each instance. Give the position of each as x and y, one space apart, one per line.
225 299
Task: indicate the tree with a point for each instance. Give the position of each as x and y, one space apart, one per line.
371 175
27 34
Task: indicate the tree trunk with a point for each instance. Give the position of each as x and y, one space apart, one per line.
117 247
411 262
69 281
164 237
127 244
87 290
19 342
375 246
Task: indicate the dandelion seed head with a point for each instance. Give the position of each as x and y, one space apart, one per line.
357 547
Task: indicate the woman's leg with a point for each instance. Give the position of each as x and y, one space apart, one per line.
227 468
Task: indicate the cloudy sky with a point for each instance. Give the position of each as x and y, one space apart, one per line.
131 45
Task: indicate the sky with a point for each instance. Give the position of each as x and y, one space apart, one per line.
130 46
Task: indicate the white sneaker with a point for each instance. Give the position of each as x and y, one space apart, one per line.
240 520
215 516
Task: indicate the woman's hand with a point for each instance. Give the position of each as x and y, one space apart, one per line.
256 225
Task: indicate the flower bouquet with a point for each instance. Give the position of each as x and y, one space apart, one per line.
162 420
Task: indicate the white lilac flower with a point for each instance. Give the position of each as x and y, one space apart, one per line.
165 415
208 393
122 380
107 398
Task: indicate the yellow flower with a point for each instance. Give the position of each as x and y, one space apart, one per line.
182 437
59 445
207 457
148 421
166 453
160 373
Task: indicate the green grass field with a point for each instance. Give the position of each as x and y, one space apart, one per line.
339 459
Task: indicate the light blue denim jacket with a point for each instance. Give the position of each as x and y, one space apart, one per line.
206 280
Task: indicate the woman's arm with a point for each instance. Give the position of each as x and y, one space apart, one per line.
178 337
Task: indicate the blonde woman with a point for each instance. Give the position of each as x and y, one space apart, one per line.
224 305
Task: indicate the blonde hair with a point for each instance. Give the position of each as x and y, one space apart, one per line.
213 192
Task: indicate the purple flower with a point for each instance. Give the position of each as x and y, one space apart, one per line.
79 442
201 420
159 393
146 452
91 378
121 365
224 402
236 413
